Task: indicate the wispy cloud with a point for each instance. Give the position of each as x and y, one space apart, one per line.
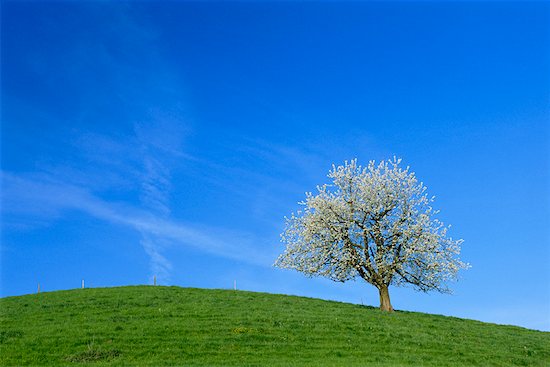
41 196
160 143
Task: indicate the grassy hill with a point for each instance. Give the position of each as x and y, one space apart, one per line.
194 327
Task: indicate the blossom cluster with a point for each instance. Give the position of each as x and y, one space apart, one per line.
376 223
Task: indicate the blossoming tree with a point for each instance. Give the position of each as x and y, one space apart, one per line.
376 223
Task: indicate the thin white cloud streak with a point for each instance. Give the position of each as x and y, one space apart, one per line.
47 199
160 266
155 188
160 139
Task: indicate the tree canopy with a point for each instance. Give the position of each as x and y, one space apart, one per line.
376 223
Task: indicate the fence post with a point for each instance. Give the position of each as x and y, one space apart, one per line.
38 287
155 280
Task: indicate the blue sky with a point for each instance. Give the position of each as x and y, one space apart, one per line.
171 139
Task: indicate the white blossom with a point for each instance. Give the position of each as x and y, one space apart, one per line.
376 223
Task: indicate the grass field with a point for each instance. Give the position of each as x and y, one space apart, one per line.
146 325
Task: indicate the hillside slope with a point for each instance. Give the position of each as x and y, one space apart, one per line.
146 325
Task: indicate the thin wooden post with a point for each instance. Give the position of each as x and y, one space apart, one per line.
38 287
155 280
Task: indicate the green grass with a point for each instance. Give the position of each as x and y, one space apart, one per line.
196 327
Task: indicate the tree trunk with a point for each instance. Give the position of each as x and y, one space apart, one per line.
385 304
